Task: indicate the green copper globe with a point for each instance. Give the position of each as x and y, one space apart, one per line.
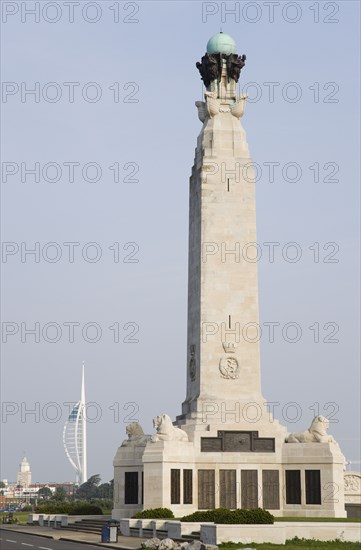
221 43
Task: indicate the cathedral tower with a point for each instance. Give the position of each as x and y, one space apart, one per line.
24 474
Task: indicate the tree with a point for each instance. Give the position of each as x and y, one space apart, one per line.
44 492
60 494
105 490
2 485
89 490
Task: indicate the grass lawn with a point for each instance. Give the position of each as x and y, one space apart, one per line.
21 517
332 520
350 520
295 544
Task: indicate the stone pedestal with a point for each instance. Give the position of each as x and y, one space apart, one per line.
128 460
233 466
326 458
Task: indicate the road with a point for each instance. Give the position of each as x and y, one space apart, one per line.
12 540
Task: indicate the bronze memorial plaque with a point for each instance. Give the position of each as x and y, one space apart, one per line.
211 444
271 489
206 489
228 489
264 445
237 441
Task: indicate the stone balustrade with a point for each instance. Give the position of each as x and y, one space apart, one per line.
59 519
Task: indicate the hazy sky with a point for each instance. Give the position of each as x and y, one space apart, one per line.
113 113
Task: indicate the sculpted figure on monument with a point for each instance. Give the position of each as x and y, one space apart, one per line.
237 109
210 68
136 436
212 103
202 110
235 64
192 362
166 431
317 433
212 106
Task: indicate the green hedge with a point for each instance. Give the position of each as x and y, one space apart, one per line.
155 513
86 510
223 515
72 509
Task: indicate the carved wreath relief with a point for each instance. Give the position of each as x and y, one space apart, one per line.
352 483
228 365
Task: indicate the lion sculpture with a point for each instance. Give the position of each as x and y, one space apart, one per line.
317 433
136 436
166 431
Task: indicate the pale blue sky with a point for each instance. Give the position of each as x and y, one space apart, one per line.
159 134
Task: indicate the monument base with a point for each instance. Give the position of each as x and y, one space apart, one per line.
230 466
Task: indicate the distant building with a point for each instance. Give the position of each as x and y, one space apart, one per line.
24 473
14 492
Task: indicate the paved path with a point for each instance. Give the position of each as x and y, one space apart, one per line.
16 541
23 537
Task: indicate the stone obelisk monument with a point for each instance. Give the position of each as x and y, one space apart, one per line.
223 363
225 449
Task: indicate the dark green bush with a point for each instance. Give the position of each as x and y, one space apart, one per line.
27 508
53 508
70 508
85 509
103 503
155 513
223 515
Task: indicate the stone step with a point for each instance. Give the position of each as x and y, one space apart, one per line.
88 525
91 531
195 535
148 533
83 527
104 519
91 522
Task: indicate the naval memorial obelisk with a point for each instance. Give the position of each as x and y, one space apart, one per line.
225 449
